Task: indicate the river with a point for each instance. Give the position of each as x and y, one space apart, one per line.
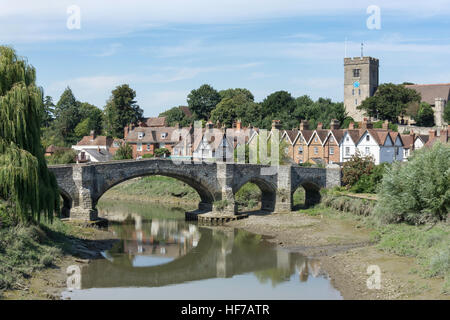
161 256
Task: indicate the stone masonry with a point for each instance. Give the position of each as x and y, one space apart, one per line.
82 185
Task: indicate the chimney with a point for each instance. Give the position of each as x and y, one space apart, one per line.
432 134
335 124
177 125
238 125
209 125
319 126
304 125
385 125
351 126
92 135
276 124
366 124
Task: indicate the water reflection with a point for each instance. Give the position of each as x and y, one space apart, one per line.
157 253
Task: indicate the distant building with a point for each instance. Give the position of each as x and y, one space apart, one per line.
361 78
50 150
437 95
95 148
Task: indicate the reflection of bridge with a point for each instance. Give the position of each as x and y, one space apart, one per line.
219 254
82 185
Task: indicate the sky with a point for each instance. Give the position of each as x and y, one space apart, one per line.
165 48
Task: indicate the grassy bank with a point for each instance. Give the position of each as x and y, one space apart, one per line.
429 245
25 250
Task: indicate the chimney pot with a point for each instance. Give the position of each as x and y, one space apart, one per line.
351 126
319 126
304 125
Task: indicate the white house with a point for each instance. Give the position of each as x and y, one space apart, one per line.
382 145
348 145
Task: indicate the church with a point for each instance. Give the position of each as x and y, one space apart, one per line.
361 80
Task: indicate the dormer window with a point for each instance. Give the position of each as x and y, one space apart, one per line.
140 135
163 135
367 138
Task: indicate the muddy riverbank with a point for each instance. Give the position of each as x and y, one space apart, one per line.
345 250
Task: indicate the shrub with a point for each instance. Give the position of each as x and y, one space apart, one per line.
162 152
417 191
368 183
62 157
124 152
148 155
355 168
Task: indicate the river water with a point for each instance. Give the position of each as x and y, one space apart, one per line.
161 256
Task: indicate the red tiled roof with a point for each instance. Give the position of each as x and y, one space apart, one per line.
97 141
155 122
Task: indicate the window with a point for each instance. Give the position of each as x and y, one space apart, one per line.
347 151
356 73
163 135
315 139
316 150
115 144
331 150
148 147
140 135
300 150
347 139
331 139
353 92
359 91
300 161
367 138
367 150
139 146
356 101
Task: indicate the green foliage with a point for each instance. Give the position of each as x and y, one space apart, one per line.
162 152
174 116
148 156
447 112
124 152
232 105
368 183
25 182
202 101
248 196
121 110
355 168
361 207
389 102
425 115
82 129
62 157
47 112
94 116
417 191
67 116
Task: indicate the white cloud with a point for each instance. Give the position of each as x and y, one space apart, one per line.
29 20
111 50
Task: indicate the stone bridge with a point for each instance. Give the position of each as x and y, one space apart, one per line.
82 185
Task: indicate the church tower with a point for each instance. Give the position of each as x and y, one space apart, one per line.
360 82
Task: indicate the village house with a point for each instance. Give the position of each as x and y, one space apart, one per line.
213 144
95 148
332 143
316 145
51 149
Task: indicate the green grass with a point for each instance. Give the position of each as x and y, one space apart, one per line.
27 249
148 188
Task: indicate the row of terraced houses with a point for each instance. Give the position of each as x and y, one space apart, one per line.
303 144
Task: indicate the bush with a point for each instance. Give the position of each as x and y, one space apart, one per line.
425 115
124 152
368 183
147 156
417 191
162 152
62 157
361 207
355 168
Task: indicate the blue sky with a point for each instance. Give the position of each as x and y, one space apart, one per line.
164 49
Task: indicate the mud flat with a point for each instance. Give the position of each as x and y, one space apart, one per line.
345 250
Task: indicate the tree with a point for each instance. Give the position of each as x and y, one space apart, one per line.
447 112
355 168
389 102
121 110
425 115
124 152
67 115
162 152
175 115
82 129
48 112
25 182
402 199
226 111
202 101
231 93
94 116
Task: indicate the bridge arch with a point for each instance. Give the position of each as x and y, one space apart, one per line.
268 192
312 192
66 204
207 197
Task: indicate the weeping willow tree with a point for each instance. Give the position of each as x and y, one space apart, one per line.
25 182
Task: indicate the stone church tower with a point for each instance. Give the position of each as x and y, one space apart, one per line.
360 82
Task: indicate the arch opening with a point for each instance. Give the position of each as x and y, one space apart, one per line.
298 198
312 194
66 204
255 195
172 189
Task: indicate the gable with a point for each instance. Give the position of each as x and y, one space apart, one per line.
388 142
